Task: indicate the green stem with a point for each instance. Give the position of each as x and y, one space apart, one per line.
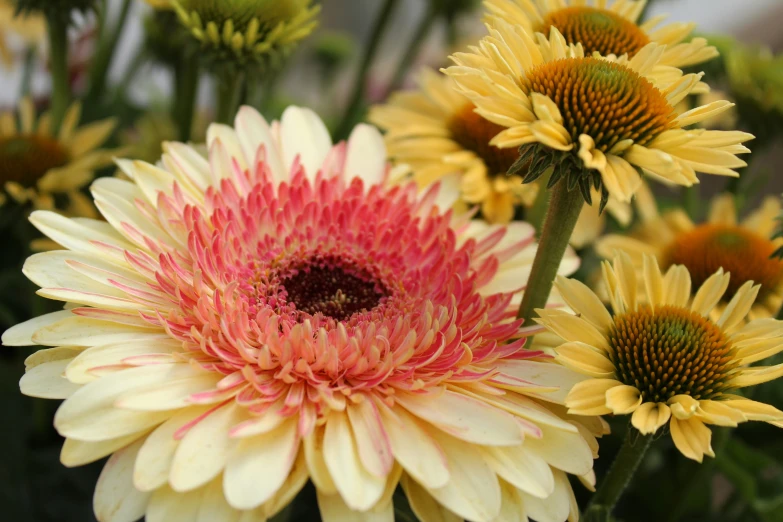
691 201
58 55
564 209
229 87
27 73
106 47
700 475
353 112
620 474
412 52
186 91
135 65
537 212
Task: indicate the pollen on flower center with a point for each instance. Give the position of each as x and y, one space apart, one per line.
604 100
596 29
333 289
473 133
25 159
670 351
739 251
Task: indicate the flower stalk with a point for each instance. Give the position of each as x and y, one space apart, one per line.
229 86
103 57
352 113
625 464
186 85
411 53
58 55
562 214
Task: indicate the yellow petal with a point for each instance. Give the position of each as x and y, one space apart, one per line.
589 397
683 406
692 438
585 359
650 416
623 399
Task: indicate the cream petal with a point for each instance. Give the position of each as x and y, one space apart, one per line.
522 467
83 331
303 134
426 508
334 509
585 359
589 397
47 381
692 438
583 301
414 449
366 155
203 451
739 306
463 417
563 450
554 508
623 399
154 460
715 412
81 369
359 489
89 414
677 286
167 505
253 132
115 499
78 453
258 466
316 464
214 507
754 410
473 490
650 416
22 333
683 406
710 293
572 328
170 395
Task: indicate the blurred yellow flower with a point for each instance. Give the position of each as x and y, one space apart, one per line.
30 28
36 164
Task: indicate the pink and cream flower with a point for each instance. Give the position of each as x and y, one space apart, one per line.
278 312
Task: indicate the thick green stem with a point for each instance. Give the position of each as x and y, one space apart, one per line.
536 214
620 474
106 47
564 209
27 73
353 112
58 55
412 51
229 87
186 91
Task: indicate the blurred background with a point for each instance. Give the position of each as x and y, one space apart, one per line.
743 484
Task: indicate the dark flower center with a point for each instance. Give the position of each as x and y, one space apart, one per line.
25 159
596 29
474 133
332 288
741 252
671 351
607 101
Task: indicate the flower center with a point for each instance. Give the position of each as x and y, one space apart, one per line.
241 12
596 29
474 133
670 351
741 252
607 101
332 288
25 159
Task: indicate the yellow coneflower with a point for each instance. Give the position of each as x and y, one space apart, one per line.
660 357
608 28
741 248
436 132
36 164
248 31
598 120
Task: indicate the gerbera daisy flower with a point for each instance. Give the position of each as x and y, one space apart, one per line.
436 132
742 248
31 29
663 359
278 312
626 121
36 164
607 28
